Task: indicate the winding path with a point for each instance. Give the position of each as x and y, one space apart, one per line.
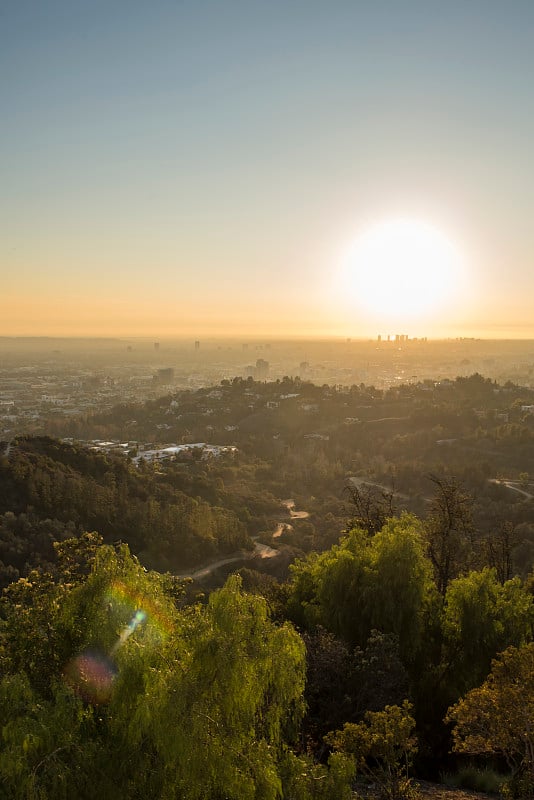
286 526
512 485
260 550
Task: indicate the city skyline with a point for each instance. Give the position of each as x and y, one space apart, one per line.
203 170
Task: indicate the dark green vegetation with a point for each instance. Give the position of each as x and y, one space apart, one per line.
117 683
114 686
51 490
295 440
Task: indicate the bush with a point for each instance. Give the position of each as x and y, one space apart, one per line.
479 780
382 746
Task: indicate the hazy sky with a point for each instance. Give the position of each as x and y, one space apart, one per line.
194 167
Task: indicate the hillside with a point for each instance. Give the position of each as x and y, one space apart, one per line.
379 628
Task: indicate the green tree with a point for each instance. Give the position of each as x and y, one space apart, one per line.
497 718
381 582
481 618
382 746
221 719
302 779
124 694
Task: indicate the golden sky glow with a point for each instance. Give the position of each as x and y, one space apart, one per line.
206 169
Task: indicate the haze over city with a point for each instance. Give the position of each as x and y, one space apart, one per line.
266 400
291 169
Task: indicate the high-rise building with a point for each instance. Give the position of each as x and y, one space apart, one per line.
262 369
197 345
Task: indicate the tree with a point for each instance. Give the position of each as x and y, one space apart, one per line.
221 718
372 506
128 695
500 546
449 530
497 718
383 746
302 779
481 618
364 583
342 685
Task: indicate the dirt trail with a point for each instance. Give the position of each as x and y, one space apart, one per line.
260 550
286 526
513 486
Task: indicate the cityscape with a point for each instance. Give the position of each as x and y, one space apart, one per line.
42 381
267 400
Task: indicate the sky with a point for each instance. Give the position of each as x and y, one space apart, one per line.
193 168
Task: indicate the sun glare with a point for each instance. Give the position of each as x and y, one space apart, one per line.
402 268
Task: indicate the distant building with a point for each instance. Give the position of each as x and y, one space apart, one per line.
262 369
165 375
197 345
156 345
204 450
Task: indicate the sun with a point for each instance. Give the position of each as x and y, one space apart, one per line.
401 269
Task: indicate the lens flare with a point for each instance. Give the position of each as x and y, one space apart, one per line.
134 605
138 618
91 676
92 673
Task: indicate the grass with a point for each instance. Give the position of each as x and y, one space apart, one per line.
479 780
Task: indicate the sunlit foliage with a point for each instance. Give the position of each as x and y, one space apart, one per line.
133 697
367 582
383 745
497 718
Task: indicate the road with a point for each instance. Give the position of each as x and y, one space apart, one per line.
512 485
260 550
358 482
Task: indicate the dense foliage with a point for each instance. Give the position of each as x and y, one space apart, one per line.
116 681
111 690
300 440
440 646
51 490
497 718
